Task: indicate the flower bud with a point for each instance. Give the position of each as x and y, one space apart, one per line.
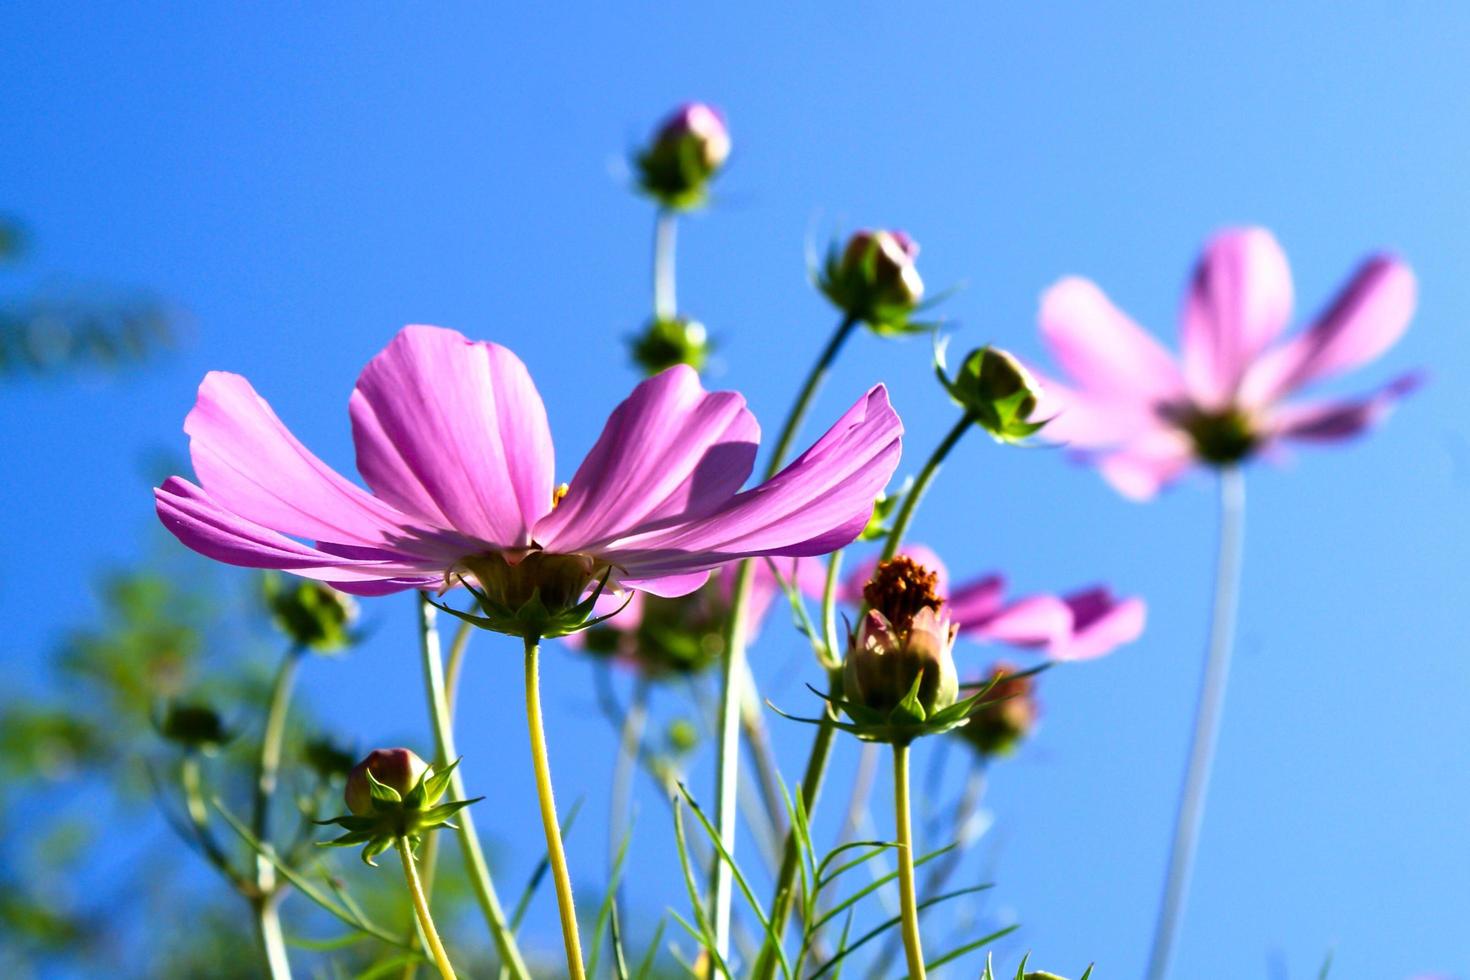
398 769
666 342
327 759
995 388
537 594
315 616
194 726
874 279
688 149
1007 712
901 654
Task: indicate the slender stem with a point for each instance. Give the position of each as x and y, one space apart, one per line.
1206 722
912 945
267 772
421 908
768 773
665 304
469 841
554 852
784 896
428 862
829 611
862 790
921 486
735 673
630 746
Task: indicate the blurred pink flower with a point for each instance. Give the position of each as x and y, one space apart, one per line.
1146 418
1077 626
452 439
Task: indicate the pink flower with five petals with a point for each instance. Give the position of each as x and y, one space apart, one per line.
452 440
1145 418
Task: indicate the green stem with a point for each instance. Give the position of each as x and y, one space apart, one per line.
428 862
1206 721
630 747
421 908
555 854
665 228
784 895
469 841
735 673
921 486
908 899
267 773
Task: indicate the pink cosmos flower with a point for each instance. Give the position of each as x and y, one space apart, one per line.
1077 626
452 438
1146 418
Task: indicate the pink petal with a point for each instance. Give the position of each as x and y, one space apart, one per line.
1238 301
1339 419
1087 419
1366 318
253 467
670 451
1100 624
1035 621
203 524
1142 468
851 589
666 586
1101 348
977 601
455 432
817 504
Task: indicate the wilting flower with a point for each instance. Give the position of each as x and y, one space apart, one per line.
873 279
1079 625
394 794
688 149
452 437
1146 418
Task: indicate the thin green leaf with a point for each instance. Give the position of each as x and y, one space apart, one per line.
878 883
705 935
605 910
538 874
955 954
877 847
877 931
645 966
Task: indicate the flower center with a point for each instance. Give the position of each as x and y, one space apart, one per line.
560 581
1220 437
900 588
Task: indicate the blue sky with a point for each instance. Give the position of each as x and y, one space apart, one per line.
304 179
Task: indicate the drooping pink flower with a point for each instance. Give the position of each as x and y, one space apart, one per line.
1146 418
1080 625
452 438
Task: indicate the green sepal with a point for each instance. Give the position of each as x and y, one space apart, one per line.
1007 417
375 847
384 796
435 785
532 619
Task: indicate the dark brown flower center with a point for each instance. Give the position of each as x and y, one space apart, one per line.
900 588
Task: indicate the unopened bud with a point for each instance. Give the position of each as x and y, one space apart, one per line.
901 652
995 388
688 149
666 342
874 279
194 726
397 769
1006 715
315 616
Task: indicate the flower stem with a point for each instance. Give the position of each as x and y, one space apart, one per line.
665 228
630 748
735 674
469 841
921 486
421 908
268 923
912 945
1206 722
556 856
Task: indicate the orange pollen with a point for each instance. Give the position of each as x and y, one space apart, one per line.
900 588
558 493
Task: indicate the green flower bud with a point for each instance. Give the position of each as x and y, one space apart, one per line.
392 794
315 616
874 279
1006 714
666 342
193 726
995 388
327 759
397 769
539 595
682 736
688 150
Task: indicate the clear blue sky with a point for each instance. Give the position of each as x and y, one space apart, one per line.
304 178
